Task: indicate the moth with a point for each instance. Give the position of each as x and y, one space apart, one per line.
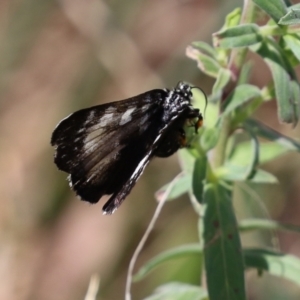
105 148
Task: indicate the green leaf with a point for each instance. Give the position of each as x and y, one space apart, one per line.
199 99
268 133
267 151
295 92
182 185
261 176
245 73
286 266
198 177
240 165
276 9
209 138
233 18
270 151
223 78
281 265
238 173
283 76
291 18
211 114
223 253
240 95
246 111
292 41
262 224
187 160
239 36
245 156
205 48
206 64
178 291
294 6
173 253
281 80
289 54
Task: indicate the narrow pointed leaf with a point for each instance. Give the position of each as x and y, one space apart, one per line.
223 78
206 64
278 264
263 224
292 44
245 73
268 133
291 18
198 177
241 164
295 97
223 253
283 76
276 9
177 252
242 94
239 36
284 96
205 48
267 151
182 185
209 138
233 18
261 176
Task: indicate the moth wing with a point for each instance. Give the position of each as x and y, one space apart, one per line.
102 147
117 198
168 139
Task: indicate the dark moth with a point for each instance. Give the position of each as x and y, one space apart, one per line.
105 148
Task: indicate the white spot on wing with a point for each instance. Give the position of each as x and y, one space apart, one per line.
142 122
93 135
110 109
105 119
145 107
127 116
144 119
91 146
91 116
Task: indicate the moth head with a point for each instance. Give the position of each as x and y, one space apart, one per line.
184 90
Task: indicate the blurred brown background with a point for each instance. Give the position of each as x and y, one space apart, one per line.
59 56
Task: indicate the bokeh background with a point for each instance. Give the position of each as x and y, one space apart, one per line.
57 56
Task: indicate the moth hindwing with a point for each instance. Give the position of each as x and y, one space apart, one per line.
106 148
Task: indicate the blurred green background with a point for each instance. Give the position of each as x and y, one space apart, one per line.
60 56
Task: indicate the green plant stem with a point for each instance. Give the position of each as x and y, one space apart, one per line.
273 30
220 150
237 59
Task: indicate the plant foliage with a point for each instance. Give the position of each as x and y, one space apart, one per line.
210 178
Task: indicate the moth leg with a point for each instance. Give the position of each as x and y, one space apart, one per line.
174 140
196 124
182 138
